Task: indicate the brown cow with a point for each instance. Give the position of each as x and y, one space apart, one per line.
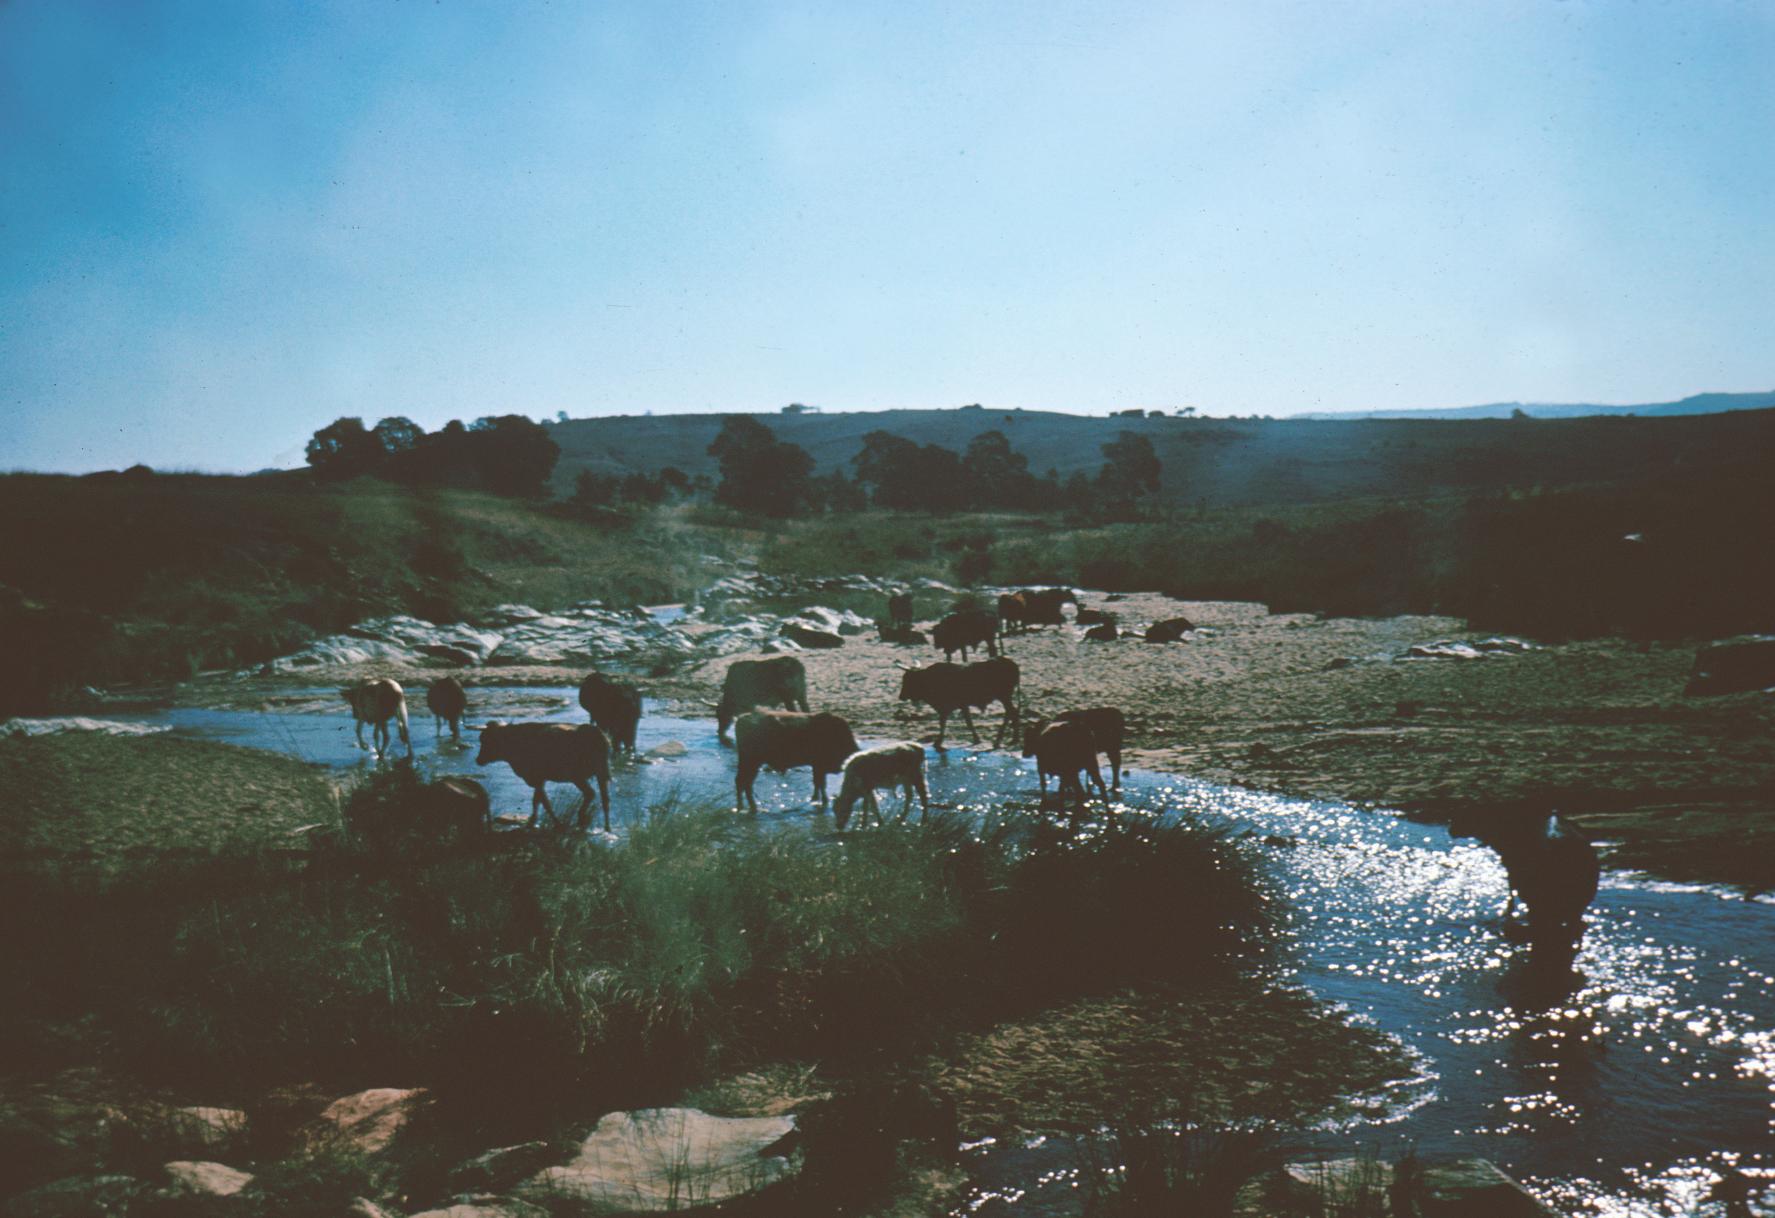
779 681
1066 749
947 688
1041 606
900 611
446 700
376 702
1013 613
541 753
614 706
1108 728
784 740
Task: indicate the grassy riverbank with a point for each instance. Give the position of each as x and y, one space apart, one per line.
534 982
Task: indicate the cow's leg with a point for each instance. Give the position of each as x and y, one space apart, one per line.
967 714
820 787
924 797
379 737
360 733
942 726
743 779
1115 765
539 802
1096 777
456 729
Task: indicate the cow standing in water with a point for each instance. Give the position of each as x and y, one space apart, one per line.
446 700
749 684
376 702
614 706
541 753
1552 867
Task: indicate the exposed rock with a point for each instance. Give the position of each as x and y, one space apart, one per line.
588 635
835 621
809 635
666 750
203 1179
363 1207
904 635
1473 1188
1341 1183
1443 649
181 1133
1503 644
1734 667
664 1159
78 1197
498 1169
486 1207
75 723
1170 630
368 1121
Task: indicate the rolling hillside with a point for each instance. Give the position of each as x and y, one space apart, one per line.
1234 462
1699 403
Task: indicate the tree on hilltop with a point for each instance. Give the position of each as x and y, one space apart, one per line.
759 473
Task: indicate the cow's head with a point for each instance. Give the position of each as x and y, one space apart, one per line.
1031 733
492 744
913 682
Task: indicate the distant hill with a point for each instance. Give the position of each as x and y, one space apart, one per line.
1700 403
1235 462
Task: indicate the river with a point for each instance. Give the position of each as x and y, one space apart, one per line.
1623 1097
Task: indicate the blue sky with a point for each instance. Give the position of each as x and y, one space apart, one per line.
223 225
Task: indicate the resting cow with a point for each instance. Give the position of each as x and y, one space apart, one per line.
614 706
947 688
779 681
1108 728
1067 748
872 770
376 702
541 753
966 628
1550 864
446 700
783 740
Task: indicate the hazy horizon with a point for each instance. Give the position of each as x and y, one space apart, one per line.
226 226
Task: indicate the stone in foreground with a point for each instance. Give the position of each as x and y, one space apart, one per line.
204 1179
662 1160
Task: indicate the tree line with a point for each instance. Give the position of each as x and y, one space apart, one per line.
759 474
763 475
507 454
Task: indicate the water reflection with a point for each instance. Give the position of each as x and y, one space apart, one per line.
1628 1084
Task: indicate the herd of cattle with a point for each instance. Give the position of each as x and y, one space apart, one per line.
764 705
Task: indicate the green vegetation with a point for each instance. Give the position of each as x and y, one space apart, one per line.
118 578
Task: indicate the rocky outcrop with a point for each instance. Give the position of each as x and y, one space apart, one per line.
661 1160
493 1171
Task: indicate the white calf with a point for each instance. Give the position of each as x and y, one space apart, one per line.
892 765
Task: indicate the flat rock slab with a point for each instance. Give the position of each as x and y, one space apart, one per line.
369 1120
486 1207
662 1160
1473 1188
206 1179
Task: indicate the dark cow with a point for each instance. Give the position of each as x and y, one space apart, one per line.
1042 605
966 628
1169 630
614 706
376 702
1551 866
783 740
1109 727
1013 612
1733 668
541 753
1067 748
900 611
1104 633
947 688
878 769
446 700
779 681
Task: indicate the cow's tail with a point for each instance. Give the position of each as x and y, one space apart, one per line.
400 711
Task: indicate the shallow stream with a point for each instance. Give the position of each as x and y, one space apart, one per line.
1624 1096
